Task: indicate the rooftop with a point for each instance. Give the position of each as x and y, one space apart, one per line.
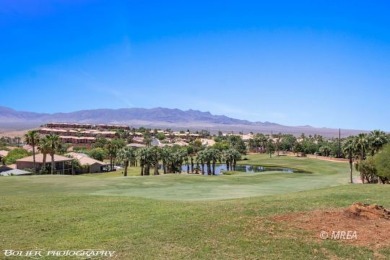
85 159
39 158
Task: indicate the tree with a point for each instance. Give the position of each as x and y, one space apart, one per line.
165 154
97 153
257 143
76 166
126 155
54 143
287 142
154 158
325 150
191 152
277 142
122 134
222 145
112 147
215 155
230 157
368 172
309 146
32 138
270 148
348 150
160 136
146 159
173 158
237 143
201 158
382 164
376 139
297 148
361 145
100 142
44 148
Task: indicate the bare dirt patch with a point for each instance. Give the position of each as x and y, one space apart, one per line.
360 224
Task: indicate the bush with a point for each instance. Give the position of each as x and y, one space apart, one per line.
367 170
382 164
15 154
97 153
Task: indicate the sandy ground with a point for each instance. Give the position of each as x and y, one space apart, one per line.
368 225
19 133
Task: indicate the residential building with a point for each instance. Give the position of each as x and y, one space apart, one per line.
63 165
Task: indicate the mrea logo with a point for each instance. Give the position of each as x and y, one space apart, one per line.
344 235
339 235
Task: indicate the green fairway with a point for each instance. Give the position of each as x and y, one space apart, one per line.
182 216
193 187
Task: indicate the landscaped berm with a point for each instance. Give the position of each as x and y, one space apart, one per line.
272 215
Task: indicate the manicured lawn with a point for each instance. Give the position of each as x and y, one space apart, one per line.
182 216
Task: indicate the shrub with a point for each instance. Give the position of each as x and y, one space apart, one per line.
15 154
382 164
367 170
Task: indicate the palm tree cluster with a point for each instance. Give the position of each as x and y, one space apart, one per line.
49 144
170 159
360 149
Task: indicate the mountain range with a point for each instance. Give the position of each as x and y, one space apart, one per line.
156 118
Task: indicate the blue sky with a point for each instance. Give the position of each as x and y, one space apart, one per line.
319 63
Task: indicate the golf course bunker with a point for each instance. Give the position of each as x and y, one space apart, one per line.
360 224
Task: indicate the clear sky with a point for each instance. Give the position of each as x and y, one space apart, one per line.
319 63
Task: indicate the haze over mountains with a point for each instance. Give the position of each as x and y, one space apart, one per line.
156 117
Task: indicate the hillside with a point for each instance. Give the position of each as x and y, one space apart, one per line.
156 117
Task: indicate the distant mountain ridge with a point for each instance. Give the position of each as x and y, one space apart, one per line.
123 115
158 118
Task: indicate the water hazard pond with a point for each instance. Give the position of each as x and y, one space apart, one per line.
220 168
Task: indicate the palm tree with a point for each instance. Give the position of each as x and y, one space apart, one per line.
191 152
348 150
215 155
208 158
236 155
226 158
165 154
230 157
44 148
361 145
111 151
176 159
112 148
146 159
32 138
126 155
201 159
270 146
325 150
141 154
377 139
54 144
155 156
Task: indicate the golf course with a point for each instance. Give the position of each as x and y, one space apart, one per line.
189 216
